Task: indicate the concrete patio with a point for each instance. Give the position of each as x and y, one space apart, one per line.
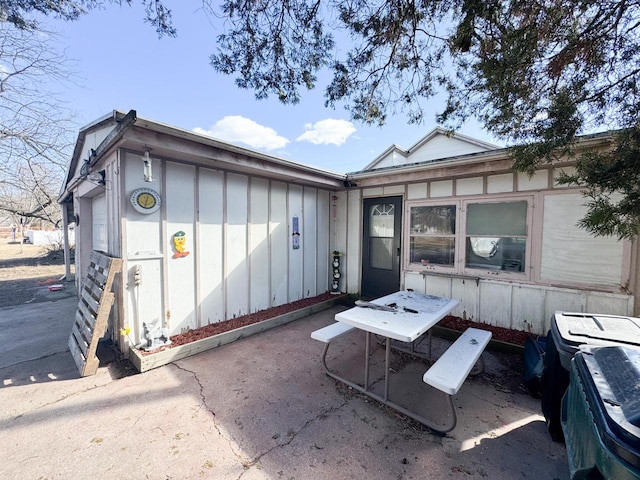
260 408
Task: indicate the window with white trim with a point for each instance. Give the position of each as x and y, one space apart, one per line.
473 237
433 235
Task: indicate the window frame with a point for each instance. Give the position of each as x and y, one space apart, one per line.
460 267
452 269
485 272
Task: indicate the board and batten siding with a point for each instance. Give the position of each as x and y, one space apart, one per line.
180 207
239 235
516 306
573 271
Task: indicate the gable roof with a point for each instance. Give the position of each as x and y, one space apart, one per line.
438 143
128 130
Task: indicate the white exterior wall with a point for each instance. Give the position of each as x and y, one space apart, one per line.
236 236
91 142
211 246
441 146
239 236
323 237
179 204
295 255
279 258
435 147
259 245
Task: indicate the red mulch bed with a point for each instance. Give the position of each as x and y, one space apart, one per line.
515 337
234 323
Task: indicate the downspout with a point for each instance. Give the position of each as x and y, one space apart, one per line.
65 233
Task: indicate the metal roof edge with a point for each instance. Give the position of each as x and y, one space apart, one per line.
117 116
411 167
428 137
211 141
583 141
452 134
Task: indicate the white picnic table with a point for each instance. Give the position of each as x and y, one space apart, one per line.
411 315
404 317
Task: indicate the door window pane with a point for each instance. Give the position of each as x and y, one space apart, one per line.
381 233
380 251
381 220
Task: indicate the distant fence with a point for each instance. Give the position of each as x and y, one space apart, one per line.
38 236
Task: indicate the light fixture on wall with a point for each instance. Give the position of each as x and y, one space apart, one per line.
146 166
97 177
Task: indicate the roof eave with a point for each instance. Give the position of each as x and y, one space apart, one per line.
585 141
214 142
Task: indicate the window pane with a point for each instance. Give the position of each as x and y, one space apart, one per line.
497 218
380 253
432 250
438 220
505 253
381 220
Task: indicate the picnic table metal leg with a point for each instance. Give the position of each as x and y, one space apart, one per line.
387 357
385 399
367 358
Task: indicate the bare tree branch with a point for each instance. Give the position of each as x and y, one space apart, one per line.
35 130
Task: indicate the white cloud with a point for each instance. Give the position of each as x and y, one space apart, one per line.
328 131
235 128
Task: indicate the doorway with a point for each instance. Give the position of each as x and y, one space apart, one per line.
382 225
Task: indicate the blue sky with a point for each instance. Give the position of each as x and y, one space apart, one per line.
119 63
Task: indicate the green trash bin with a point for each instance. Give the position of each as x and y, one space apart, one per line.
601 414
569 331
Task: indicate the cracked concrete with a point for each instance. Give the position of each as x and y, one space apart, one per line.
260 408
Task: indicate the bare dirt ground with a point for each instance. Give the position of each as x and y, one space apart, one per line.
27 272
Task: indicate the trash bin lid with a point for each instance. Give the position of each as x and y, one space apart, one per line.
611 377
597 329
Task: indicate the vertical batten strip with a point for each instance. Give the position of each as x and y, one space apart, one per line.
165 251
247 244
269 262
225 273
197 250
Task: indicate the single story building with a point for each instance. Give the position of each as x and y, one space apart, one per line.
209 231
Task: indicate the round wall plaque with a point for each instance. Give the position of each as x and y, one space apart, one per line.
145 200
